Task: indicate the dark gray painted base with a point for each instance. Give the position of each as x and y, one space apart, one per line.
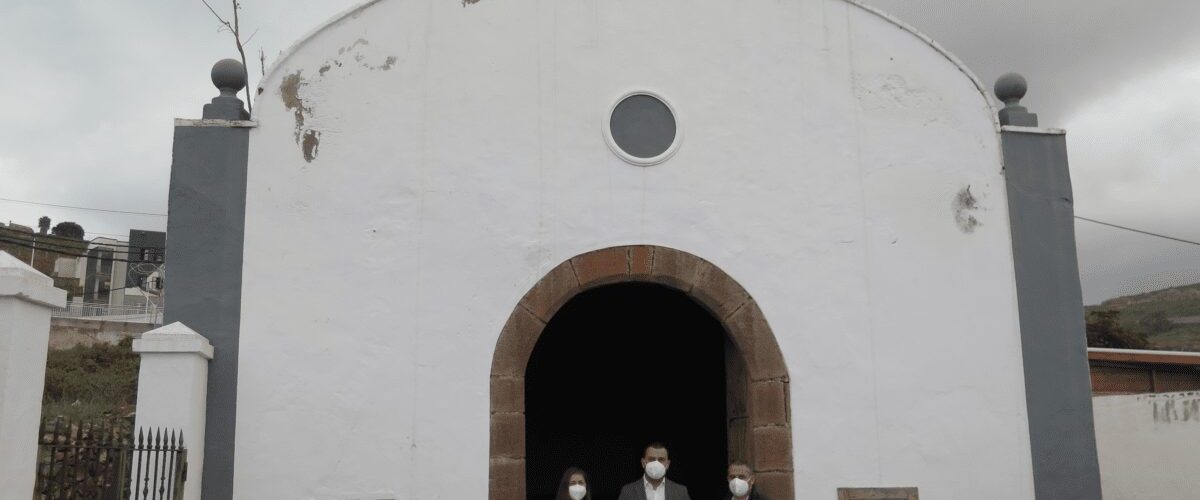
1053 342
205 229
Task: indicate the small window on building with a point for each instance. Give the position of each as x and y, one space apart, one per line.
145 254
642 129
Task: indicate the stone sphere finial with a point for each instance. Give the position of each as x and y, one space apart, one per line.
229 76
1011 88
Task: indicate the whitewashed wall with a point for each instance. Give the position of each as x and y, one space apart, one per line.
461 156
26 299
1148 445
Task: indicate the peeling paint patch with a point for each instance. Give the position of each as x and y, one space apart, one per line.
289 90
310 144
964 206
309 139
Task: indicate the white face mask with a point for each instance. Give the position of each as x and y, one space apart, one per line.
577 491
656 470
739 487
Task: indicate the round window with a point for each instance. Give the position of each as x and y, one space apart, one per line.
642 129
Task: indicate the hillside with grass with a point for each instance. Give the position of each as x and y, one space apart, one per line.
91 383
1169 318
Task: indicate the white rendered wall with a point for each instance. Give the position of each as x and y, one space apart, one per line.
26 299
1148 445
172 391
824 150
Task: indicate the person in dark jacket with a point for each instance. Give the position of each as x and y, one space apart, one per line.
654 485
574 485
741 483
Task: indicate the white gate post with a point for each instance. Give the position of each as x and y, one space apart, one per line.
26 300
173 390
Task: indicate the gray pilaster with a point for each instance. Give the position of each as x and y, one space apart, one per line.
205 228
1050 303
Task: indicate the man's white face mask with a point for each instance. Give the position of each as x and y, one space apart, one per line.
577 491
739 487
655 470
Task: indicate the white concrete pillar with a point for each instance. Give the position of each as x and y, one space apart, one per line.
173 390
26 299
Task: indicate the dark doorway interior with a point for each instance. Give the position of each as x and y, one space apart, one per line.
620 366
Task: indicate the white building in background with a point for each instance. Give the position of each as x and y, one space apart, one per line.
115 281
483 241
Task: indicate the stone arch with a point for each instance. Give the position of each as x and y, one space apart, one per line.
759 411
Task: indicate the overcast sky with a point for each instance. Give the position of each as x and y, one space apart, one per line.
90 89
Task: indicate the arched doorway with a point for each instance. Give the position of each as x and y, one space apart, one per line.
757 407
618 367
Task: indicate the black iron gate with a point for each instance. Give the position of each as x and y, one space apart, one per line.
87 461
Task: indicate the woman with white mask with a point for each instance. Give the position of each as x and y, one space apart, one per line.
574 485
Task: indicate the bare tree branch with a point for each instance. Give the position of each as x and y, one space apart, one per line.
218 16
262 61
235 29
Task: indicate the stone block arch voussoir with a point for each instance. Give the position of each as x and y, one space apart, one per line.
758 401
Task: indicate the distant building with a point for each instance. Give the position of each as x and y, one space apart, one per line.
147 249
104 268
51 254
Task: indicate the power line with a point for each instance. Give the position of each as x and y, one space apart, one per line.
83 208
64 252
63 242
1139 231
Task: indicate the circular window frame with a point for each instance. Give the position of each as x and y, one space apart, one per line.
636 160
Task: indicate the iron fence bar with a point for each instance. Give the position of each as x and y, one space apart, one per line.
100 472
171 466
161 466
183 467
50 459
38 481
91 465
62 463
157 458
122 477
137 481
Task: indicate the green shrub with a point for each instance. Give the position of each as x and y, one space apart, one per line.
92 383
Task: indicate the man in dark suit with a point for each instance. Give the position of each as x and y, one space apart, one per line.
654 484
741 483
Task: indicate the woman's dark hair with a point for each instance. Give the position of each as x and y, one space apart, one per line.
563 493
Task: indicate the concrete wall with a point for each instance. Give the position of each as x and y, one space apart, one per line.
66 333
26 299
427 162
1149 445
